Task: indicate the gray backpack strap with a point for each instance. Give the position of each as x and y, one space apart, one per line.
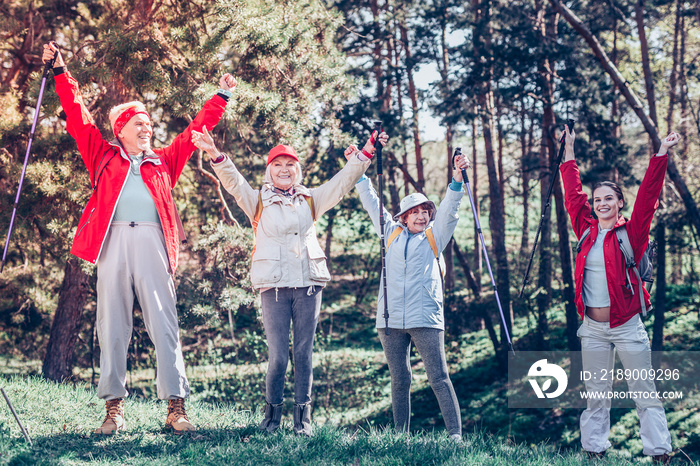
626 247
583 238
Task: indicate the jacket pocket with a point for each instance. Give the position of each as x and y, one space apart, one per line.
318 270
82 227
266 267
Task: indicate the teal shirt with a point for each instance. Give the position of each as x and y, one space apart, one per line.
135 203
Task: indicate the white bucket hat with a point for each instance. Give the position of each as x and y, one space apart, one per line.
413 200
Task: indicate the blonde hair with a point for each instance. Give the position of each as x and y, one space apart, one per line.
297 179
117 110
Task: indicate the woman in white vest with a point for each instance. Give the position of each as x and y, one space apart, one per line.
416 237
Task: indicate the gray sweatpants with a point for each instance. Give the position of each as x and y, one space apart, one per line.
280 308
134 260
430 343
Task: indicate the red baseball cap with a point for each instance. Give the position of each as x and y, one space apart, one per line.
282 150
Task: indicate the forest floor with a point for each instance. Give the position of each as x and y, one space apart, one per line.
352 410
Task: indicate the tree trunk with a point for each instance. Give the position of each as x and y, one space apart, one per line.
567 269
660 233
488 323
60 352
525 180
414 106
482 52
545 24
449 134
634 102
475 194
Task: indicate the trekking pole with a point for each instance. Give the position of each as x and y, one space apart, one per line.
380 183
21 427
562 145
47 68
458 151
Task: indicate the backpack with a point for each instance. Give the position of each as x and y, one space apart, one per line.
433 245
644 270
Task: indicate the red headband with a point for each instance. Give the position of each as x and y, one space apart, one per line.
124 118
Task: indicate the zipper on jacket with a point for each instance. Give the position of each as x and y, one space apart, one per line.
86 223
121 152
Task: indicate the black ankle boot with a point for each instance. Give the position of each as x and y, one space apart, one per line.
302 419
273 417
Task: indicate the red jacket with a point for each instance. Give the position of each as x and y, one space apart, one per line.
160 170
623 303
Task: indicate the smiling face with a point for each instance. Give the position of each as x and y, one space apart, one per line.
606 203
136 134
283 171
417 219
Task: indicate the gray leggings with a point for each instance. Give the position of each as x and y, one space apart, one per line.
430 343
280 308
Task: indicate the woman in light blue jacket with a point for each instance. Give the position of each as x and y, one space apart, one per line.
415 293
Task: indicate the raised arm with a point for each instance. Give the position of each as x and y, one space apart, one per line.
646 203
447 213
576 201
79 123
181 149
232 180
331 192
370 201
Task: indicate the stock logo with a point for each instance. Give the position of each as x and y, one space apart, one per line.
542 369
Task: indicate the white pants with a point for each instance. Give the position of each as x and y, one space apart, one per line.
631 340
134 260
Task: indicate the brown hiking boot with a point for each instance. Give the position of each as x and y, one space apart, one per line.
114 420
661 459
177 420
595 455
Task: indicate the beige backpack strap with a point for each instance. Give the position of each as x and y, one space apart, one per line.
310 201
394 234
258 212
431 240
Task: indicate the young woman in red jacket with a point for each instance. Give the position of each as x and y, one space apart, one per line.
608 301
130 229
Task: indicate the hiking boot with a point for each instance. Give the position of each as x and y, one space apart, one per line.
661 459
593 455
177 421
273 417
114 420
302 419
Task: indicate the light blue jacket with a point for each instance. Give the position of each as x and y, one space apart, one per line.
414 285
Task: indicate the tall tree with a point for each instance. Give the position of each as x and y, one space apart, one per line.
485 108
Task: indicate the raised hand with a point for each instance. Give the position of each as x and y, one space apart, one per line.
669 141
228 82
205 142
369 145
50 50
461 162
350 151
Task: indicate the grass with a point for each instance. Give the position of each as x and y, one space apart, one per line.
352 409
59 418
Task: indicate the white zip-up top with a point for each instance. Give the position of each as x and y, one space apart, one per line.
287 252
413 282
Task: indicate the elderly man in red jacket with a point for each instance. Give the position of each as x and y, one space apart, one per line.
130 229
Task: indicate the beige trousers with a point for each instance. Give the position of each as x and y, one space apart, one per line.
134 261
631 341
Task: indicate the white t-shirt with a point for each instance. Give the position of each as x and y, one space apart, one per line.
595 283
